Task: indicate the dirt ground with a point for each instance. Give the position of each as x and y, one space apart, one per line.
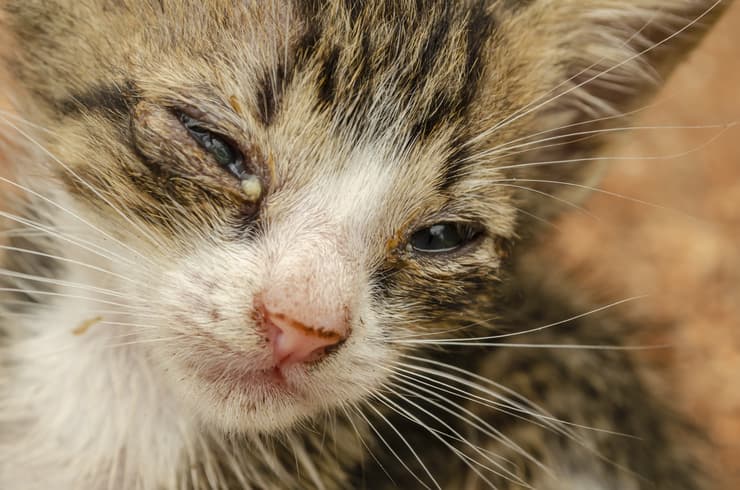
685 249
686 256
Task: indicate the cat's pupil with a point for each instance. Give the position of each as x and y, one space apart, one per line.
442 237
224 154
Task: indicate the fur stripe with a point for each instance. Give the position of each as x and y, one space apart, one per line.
109 99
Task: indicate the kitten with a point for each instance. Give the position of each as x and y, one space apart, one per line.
285 245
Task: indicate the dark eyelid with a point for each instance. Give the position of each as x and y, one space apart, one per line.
201 119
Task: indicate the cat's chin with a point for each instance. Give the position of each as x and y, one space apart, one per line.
235 397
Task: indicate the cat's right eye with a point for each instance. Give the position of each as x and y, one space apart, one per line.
222 151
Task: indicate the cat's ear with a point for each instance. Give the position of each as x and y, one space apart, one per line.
592 61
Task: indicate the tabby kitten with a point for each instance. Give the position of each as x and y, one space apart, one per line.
281 244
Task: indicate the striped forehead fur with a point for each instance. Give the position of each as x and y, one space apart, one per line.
414 73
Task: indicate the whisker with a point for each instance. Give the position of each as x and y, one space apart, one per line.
362 441
58 282
621 115
543 346
412 379
40 306
549 325
140 342
548 195
127 324
71 213
22 120
69 261
578 440
507 408
652 47
32 292
606 193
467 460
539 410
308 464
393 451
623 158
505 404
505 149
89 186
478 424
78 242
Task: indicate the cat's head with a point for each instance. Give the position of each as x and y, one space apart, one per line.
296 190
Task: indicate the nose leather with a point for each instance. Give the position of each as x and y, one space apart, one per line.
294 342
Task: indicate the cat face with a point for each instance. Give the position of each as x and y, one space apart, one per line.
300 188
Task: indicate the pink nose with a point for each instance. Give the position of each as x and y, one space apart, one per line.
294 342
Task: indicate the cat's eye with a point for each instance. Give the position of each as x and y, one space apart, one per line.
218 146
443 238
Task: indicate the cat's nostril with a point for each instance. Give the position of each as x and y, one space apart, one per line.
293 342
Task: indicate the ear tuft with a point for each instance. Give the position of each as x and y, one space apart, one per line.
611 56
622 53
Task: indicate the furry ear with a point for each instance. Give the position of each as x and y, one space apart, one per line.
608 57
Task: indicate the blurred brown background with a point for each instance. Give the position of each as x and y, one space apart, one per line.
689 264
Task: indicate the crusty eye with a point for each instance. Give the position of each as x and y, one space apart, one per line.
443 238
222 151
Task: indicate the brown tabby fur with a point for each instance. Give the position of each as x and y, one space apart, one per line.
440 89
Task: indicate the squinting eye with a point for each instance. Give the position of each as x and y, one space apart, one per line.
443 238
223 152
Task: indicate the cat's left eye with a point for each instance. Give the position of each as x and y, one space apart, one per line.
443 238
223 152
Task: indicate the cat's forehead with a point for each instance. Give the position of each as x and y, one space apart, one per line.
399 72
380 94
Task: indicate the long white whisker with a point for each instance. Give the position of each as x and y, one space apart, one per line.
622 158
308 464
635 56
364 444
548 195
581 442
543 346
510 408
539 410
71 213
78 242
477 423
622 115
58 282
95 312
140 342
89 186
603 192
527 146
468 461
549 325
70 261
393 451
22 120
32 292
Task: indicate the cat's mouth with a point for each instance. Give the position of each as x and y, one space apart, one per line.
250 379
225 374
